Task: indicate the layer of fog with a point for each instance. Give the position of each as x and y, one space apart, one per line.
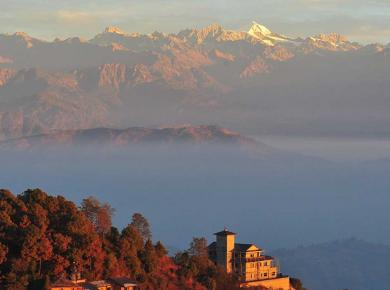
195 191
338 149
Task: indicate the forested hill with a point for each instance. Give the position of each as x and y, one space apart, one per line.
42 237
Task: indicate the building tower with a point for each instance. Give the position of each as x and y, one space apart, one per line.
224 249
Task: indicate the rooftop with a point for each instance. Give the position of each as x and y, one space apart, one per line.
123 281
237 247
63 283
100 283
245 247
225 232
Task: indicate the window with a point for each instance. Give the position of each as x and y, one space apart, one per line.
265 274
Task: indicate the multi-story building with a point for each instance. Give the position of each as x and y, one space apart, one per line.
247 261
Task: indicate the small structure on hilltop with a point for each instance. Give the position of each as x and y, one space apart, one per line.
247 261
76 283
120 283
64 284
98 285
123 283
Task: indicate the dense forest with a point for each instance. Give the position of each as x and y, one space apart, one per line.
44 237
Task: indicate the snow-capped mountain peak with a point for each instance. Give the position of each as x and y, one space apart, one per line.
257 29
113 29
266 36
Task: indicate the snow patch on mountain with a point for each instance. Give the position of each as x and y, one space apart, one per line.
257 29
266 36
113 29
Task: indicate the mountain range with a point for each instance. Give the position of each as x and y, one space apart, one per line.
131 136
255 81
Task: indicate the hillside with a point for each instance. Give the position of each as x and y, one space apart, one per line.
202 140
47 238
131 136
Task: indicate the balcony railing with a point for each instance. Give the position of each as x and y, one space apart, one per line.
253 259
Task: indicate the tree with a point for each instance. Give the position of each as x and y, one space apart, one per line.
96 259
142 225
195 265
46 283
198 247
99 214
297 284
149 257
160 249
130 245
3 253
42 236
36 247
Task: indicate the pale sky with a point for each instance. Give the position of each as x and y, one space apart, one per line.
360 20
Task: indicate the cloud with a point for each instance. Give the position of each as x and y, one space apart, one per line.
74 16
360 19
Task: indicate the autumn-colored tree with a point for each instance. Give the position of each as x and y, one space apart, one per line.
43 234
113 238
100 214
46 283
297 284
36 248
160 250
112 266
142 225
195 264
3 253
149 257
45 237
130 245
198 247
